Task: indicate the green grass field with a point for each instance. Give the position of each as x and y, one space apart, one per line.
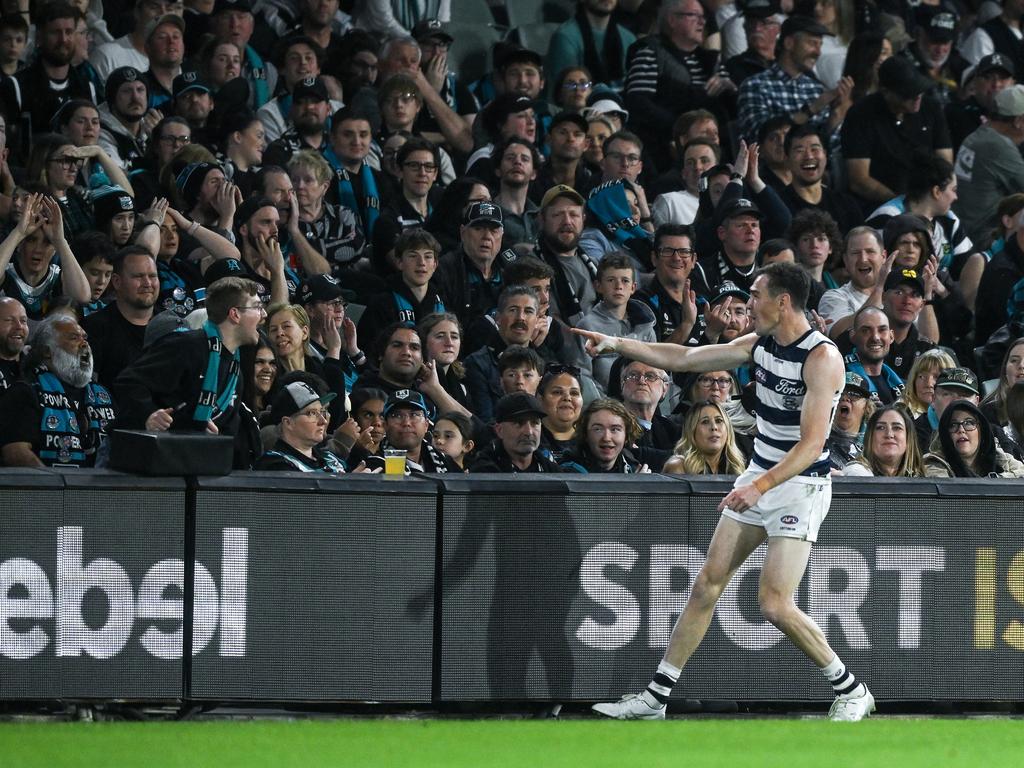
894 743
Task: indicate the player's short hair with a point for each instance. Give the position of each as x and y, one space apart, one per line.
792 279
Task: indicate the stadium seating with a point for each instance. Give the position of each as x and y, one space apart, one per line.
535 36
471 12
470 54
522 12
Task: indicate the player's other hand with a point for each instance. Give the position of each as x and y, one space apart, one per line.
740 499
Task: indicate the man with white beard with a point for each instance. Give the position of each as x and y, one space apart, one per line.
55 416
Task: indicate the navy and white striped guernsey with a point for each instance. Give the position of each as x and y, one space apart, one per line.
778 372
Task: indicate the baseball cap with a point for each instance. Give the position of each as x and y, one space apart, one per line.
729 288
858 382
319 288
520 55
805 24
428 29
231 5
163 324
119 77
406 398
310 89
224 268
606 107
569 117
483 213
958 378
294 397
518 405
900 76
561 190
167 18
741 206
1010 101
992 63
188 81
497 112
759 9
900 277
936 22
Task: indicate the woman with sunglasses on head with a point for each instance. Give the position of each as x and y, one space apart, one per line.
890 446
560 391
965 446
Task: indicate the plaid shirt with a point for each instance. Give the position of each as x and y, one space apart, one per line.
773 92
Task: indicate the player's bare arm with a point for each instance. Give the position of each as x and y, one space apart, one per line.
673 357
824 375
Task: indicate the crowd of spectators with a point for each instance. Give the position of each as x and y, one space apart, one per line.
300 223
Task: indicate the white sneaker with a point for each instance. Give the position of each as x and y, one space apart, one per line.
632 706
850 709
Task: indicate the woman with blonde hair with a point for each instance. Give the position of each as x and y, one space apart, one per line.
921 380
708 444
890 446
288 330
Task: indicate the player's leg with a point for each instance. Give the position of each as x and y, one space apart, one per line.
783 569
730 546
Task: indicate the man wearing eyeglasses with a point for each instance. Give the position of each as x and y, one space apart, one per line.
643 389
406 423
419 162
671 72
189 381
668 291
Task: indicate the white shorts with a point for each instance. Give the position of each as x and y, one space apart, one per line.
795 509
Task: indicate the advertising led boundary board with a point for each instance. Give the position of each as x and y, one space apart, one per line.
91 576
571 594
330 566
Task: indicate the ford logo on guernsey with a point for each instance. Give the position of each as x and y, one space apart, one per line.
790 519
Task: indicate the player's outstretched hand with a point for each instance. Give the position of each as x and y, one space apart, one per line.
595 343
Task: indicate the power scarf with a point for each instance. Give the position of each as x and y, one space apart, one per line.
211 403
369 211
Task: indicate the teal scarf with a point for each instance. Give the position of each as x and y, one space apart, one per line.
211 404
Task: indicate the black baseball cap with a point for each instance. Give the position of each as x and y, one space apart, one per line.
900 277
249 207
484 212
741 206
430 29
520 55
188 81
758 9
938 23
569 117
310 89
231 5
319 288
406 398
899 75
517 406
729 288
958 378
805 24
994 62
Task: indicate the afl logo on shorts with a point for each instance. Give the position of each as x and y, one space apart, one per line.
789 519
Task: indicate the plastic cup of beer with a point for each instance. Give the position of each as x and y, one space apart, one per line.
394 462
